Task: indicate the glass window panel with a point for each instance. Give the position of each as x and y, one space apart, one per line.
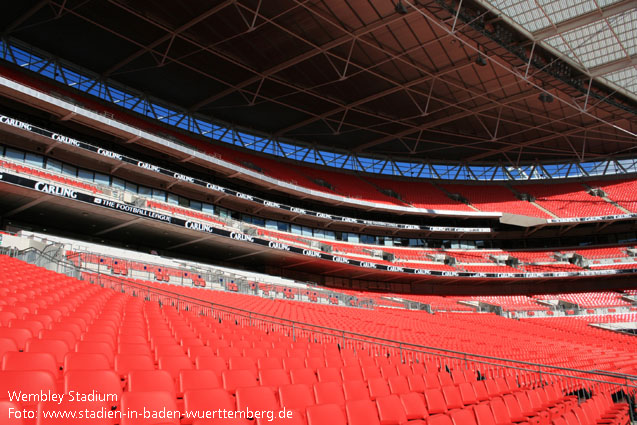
85 174
271 225
159 195
102 179
69 170
53 165
118 183
34 159
131 187
207 208
172 199
14 154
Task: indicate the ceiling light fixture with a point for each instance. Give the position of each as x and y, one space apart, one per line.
480 60
400 7
545 97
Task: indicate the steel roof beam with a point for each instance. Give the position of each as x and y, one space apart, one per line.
452 83
613 66
373 97
259 76
582 20
533 142
451 118
302 58
235 62
149 48
17 22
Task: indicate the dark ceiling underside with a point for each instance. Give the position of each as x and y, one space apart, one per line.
348 74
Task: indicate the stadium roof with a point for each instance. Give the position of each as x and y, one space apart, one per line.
496 82
599 37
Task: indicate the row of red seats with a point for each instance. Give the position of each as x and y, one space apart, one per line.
456 332
121 266
624 192
44 175
495 199
183 211
569 200
512 302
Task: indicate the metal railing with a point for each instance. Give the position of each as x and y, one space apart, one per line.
526 373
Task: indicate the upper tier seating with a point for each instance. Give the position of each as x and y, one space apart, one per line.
607 252
495 199
568 200
562 199
420 194
624 192
439 303
349 185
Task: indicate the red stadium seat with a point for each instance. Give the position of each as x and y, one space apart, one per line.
414 406
274 378
161 408
57 347
361 412
329 393
198 380
435 401
326 414
463 417
296 396
175 364
256 398
150 380
303 376
30 361
86 361
7 413
355 390
233 379
125 363
27 381
441 420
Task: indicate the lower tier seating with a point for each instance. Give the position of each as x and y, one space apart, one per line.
150 357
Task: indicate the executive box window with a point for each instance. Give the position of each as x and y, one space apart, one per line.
14 154
207 208
53 165
102 179
118 183
85 174
69 170
34 159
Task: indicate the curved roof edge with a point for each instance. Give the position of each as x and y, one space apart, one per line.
75 77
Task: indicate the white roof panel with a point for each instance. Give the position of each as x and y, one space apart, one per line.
598 41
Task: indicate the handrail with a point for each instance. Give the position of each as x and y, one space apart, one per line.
354 336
